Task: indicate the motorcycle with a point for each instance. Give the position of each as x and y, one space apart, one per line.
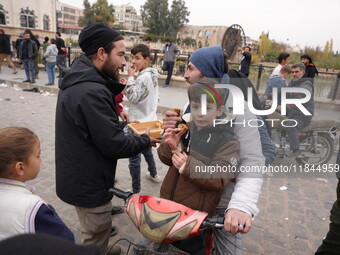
316 141
163 221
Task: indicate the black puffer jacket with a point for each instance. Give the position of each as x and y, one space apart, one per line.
5 44
89 136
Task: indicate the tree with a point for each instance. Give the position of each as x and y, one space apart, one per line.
100 11
178 16
159 20
88 17
155 16
265 45
103 12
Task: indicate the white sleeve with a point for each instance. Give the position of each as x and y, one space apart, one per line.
136 89
248 184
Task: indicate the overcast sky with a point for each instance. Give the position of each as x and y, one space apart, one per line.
303 22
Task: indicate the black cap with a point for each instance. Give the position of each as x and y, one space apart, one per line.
95 36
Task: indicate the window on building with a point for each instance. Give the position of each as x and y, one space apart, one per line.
46 21
2 15
27 18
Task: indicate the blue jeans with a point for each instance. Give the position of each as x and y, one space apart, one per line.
135 168
61 61
29 69
50 69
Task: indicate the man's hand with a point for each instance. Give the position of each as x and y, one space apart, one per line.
179 158
237 221
153 141
170 119
124 116
172 137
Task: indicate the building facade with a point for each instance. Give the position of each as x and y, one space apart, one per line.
204 36
37 15
67 19
126 18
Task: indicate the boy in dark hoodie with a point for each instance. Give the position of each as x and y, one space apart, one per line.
210 144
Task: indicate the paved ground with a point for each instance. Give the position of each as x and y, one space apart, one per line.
294 212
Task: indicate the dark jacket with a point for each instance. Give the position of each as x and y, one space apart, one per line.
209 147
89 137
242 82
170 52
245 63
60 44
5 44
32 49
311 71
305 83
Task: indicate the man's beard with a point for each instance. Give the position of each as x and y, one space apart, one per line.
109 69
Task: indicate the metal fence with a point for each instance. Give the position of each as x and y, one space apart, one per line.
326 84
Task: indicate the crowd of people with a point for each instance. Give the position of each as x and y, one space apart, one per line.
28 53
90 138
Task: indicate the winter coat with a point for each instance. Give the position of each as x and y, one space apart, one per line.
32 49
208 147
245 63
89 137
170 52
5 44
51 53
143 95
305 83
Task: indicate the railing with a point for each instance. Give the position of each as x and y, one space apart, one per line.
326 84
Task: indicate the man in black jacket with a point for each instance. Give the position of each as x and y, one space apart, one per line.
27 52
246 60
311 70
89 137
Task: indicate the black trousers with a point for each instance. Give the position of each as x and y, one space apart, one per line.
168 66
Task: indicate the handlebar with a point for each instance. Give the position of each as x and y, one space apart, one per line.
120 193
214 222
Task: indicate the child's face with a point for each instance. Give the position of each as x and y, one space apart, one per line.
206 120
139 61
32 165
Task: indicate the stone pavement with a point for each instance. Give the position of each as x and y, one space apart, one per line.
294 211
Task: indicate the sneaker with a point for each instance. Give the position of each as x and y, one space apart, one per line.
155 179
165 85
49 84
27 81
32 82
